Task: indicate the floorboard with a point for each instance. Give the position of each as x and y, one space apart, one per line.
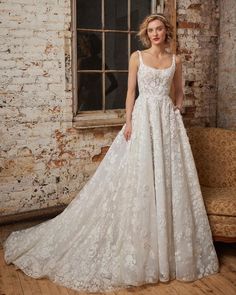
14 282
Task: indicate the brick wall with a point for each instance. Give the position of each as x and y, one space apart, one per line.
44 160
197 42
226 110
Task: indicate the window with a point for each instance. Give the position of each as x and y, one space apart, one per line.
104 37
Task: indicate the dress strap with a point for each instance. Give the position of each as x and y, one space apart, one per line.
173 61
140 56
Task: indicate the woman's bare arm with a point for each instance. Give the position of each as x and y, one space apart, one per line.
130 97
131 89
178 86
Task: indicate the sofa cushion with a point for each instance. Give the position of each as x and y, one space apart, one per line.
220 201
223 226
214 152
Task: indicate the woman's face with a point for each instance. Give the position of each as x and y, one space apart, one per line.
156 32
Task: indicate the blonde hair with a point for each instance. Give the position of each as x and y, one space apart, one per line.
143 35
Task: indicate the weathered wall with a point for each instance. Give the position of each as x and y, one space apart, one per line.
44 160
197 42
226 110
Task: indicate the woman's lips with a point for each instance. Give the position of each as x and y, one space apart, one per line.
156 39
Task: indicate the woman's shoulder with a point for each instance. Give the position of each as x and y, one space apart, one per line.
134 57
178 59
135 54
134 60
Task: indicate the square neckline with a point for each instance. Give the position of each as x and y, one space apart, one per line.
154 68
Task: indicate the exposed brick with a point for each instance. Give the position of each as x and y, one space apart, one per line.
196 6
226 100
99 157
190 25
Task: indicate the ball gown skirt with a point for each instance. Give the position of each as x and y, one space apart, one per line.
141 216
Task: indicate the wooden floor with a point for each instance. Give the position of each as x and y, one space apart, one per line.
15 282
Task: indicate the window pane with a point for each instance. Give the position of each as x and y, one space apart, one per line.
116 14
89 14
116 88
90 91
139 9
135 43
89 51
116 51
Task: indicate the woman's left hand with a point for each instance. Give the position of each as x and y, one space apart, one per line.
180 107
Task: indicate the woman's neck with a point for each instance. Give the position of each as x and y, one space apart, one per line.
157 50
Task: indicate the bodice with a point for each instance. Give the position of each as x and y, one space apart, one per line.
153 81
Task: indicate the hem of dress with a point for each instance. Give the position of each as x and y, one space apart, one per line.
110 288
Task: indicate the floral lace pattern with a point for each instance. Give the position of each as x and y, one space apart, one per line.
139 219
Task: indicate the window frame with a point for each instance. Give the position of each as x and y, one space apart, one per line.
104 117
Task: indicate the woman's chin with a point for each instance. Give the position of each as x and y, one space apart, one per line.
159 42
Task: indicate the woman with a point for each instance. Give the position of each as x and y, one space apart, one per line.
141 216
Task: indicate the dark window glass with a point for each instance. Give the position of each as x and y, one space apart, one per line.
90 91
116 88
89 14
116 17
89 51
135 43
139 9
116 51
105 55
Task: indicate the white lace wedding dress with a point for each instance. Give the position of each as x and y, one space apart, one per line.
141 216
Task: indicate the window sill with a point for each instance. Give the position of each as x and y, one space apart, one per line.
98 119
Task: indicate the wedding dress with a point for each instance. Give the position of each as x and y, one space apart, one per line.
139 219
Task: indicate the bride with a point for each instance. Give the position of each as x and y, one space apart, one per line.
141 217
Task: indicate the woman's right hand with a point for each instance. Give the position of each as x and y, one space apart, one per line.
128 131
